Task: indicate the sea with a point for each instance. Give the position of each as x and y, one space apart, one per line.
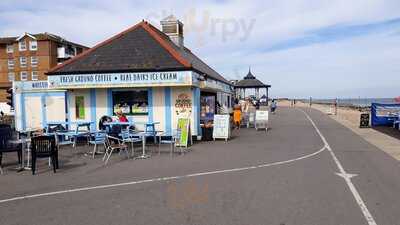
356 102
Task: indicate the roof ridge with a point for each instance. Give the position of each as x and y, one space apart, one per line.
155 33
73 59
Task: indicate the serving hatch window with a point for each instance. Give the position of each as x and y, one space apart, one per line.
132 102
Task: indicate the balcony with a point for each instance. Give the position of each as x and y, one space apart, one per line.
65 52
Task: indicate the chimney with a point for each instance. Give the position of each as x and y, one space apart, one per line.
173 28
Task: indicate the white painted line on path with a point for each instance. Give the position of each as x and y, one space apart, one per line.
346 176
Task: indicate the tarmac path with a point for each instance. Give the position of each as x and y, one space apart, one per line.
300 172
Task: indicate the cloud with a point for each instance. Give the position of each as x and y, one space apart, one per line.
300 47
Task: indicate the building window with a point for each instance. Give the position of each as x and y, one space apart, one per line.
10 48
11 64
23 75
34 75
22 61
11 76
22 45
34 61
33 45
133 102
80 107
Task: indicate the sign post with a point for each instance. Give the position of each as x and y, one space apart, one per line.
262 120
221 127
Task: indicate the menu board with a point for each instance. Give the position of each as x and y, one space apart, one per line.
221 127
184 127
261 120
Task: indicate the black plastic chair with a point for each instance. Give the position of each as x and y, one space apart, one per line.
5 146
44 147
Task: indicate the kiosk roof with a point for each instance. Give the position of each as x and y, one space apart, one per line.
139 48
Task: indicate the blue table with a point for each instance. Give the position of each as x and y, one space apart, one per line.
142 134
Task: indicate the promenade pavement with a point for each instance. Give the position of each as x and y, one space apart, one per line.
285 176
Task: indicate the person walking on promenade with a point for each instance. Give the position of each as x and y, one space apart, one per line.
237 116
273 106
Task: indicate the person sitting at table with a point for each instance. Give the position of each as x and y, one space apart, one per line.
105 119
121 116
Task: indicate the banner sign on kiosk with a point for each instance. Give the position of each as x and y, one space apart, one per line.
184 127
261 120
178 78
221 129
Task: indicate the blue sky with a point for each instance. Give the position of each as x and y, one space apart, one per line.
323 49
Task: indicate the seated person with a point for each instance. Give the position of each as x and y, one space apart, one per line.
121 117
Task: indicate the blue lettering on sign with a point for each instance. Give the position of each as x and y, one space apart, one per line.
39 85
114 79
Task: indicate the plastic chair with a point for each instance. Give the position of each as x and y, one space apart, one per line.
173 139
128 138
150 129
99 138
5 146
44 147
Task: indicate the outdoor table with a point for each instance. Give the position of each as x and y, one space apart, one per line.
72 133
24 142
78 123
143 135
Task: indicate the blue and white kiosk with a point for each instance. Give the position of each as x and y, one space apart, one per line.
151 79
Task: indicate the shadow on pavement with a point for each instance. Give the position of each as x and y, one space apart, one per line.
395 133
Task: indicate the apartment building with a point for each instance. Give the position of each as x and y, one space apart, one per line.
30 56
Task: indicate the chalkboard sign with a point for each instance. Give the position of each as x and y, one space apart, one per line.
364 120
221 127
261 120
184 128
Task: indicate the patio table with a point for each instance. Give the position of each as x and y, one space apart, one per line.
143 135
25 146
74 134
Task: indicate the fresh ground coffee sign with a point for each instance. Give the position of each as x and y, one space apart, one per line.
178 78
183 104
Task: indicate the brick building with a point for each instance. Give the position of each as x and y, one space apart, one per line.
30 56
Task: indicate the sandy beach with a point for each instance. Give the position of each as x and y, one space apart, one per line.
350 118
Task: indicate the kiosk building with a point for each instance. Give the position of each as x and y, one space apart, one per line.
146 73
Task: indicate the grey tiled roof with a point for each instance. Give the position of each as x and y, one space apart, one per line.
140 48
124 54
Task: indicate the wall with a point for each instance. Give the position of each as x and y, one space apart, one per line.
34 109
71 105
176 111
160 112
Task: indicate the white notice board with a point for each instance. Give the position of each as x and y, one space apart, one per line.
222 129
261 120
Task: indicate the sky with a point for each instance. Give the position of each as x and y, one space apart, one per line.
303 48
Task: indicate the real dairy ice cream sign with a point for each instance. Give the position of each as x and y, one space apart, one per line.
174 78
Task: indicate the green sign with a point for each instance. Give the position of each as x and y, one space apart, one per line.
184 127
80 107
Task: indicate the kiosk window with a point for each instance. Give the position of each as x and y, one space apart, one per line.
80 107
132 102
